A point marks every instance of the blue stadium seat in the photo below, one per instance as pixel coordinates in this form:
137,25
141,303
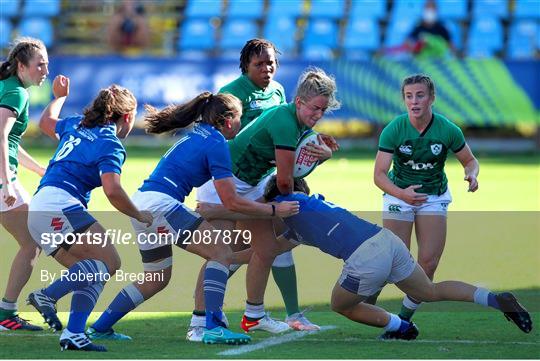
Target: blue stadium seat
196,34
246,9
41,8
275,29
317,52
9,8
203,8
485,37
5,32
523,38
236,32
323,32
452,9
40,28
492,8
287,8
332,9
455,33
368,8
408,8
527,9
362,34
398,30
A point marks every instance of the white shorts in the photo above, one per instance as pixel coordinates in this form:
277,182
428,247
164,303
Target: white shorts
207,192
173,224
379,260
395,208
22,197
53,215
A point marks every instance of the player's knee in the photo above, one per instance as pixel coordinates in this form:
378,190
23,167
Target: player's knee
30,252
113,264
429,265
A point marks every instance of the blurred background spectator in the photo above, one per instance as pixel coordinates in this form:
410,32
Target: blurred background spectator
128,29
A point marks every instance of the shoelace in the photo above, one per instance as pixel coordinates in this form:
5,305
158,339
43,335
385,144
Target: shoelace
20,320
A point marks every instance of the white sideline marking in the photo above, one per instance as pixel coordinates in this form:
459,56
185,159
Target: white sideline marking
272,341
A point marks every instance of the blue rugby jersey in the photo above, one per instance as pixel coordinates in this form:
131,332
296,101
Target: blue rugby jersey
321,224
83,154
201,155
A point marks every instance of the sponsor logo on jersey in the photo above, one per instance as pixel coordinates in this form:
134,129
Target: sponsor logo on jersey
405,149
419,165
436,149
255,104
394,208
57,224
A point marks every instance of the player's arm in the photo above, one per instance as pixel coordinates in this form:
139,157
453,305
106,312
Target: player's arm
120,200
51,114
7,120
470,165
380,177
232,201
30,163
285,166
210,211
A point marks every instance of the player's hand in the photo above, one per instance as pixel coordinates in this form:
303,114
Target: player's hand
473,183
319,151
146,218
203,209
41,171
60,86
287,209
410,196
329,141
8,194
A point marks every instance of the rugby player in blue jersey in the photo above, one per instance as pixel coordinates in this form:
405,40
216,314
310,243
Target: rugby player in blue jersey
89,155
373,257
200,155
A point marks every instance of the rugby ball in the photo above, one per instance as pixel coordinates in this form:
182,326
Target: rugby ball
304,163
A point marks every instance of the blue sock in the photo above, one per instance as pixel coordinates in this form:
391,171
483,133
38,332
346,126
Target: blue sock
492,301
82,303
215,281
404,325
128,299
486,298
81,275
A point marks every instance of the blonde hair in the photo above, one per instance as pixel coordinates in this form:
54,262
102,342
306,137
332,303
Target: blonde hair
314,82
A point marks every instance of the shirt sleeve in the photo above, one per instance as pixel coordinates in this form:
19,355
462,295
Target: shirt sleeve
219,160
387,139
15,100
60,127
456,138
112,159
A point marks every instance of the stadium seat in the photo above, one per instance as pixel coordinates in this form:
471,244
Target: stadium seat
527,9
5,32
203,8
41,8
452,9
330,9
196,34
454,28
398,30
288,8
9,8
408,8
368,9
321,32
490,8
487,30
246,9
317,52
362,34
236,32
523,38
40,28
275,29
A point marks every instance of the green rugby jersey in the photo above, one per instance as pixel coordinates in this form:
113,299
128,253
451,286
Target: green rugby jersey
253,149
254,99
14,97
419,158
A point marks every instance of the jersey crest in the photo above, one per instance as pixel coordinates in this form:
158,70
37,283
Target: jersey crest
436,149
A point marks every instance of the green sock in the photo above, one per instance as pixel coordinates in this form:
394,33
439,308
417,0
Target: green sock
6,313
406,313
285,278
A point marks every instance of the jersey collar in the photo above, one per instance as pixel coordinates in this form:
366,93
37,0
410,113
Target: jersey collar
429,125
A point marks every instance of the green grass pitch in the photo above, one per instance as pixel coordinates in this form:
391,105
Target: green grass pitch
493,241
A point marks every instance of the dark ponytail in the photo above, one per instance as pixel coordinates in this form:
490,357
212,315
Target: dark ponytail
109,106
205,108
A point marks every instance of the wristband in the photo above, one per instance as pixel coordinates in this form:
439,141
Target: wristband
273,210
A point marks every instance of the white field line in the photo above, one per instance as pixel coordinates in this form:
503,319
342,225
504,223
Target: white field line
272,341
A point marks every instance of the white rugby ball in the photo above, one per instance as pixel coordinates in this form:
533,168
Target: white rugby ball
304,163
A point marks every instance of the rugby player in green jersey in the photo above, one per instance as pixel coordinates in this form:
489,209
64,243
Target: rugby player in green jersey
416,189
26,65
